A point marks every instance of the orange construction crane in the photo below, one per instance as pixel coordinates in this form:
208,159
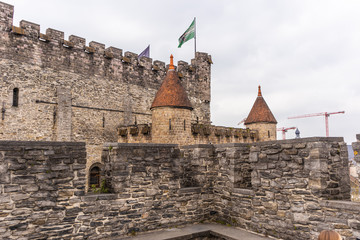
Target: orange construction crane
284,130
326,114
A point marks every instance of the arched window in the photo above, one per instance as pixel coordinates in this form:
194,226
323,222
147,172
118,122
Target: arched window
184,125
95,177
169,124
15,97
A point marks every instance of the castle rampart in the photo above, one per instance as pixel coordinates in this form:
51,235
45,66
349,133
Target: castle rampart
199,134
70,91
285,189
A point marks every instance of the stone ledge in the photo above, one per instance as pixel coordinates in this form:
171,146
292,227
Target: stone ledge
244,191
139,145
40,143
190,190
303,140
198,146
199,230
96,197
346,205
299,140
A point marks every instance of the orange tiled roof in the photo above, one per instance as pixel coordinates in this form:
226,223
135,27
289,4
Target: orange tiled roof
171,93
260,111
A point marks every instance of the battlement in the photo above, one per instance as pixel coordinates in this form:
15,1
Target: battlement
74,43
219,131
201,134
6,16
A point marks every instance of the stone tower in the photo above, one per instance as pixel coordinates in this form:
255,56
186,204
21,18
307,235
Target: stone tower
171,111
261,118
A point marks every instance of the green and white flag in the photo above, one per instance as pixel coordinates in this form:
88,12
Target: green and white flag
188,34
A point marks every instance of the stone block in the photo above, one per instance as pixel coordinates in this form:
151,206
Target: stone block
300,145
5,198
354,224
261,166
297,207
301,218
19,196
271,205
55,34
4,174
11,188
287,146
23,179
290,151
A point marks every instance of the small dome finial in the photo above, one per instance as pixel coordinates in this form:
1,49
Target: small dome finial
297,133
171,66
259,92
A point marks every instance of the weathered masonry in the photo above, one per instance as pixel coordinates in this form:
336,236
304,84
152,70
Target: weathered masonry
289,189
53,89
56,89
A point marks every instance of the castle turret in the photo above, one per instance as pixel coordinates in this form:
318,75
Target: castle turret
171,111
261,118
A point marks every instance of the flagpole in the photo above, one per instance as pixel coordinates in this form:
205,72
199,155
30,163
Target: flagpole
195,36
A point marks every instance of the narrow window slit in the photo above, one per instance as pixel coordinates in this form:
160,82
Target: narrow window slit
15,97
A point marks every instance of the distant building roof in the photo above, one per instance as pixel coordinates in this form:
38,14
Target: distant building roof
260,112
171,93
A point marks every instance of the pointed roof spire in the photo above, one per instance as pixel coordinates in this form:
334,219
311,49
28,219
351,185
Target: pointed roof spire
259,91
171,66
171,93
260,112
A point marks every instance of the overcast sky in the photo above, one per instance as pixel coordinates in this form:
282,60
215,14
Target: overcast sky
304,53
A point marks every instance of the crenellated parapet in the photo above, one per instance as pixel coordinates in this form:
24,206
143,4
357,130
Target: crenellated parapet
55,38
200,134
138,133
6,16
205,133
26,45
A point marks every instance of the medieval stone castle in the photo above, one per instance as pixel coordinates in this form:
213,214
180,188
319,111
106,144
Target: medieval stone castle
62,90
75,115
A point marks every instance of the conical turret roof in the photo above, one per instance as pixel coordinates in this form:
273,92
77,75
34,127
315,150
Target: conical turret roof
171,93
260,112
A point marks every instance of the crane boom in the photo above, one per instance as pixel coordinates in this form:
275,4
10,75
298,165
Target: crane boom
316,114
284,130
326,114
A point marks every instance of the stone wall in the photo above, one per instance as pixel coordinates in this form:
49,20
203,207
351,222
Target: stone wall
267,131
165,187
286,189
171,125
356,148
73,91
40,185
292,185
42,191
